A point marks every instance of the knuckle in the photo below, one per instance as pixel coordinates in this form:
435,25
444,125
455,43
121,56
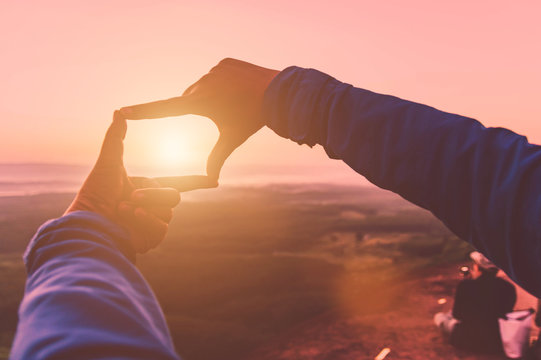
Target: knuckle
225,61
176,197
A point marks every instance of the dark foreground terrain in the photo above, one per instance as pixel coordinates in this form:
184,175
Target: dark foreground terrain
288,272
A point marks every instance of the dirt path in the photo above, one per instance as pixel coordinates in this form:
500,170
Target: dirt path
405,327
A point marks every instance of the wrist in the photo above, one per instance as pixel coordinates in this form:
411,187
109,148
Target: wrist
82,228
296,104
85,201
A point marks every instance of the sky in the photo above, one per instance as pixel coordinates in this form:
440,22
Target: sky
67,65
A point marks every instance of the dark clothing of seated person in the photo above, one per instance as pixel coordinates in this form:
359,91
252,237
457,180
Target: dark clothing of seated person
479,302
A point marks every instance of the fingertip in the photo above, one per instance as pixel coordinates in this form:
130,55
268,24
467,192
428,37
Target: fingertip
119,125
164,213
170,196
126,111
138,195
188,183
140,213
125,207
141,182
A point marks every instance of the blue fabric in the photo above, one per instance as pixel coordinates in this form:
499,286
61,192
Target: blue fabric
84,299
483,183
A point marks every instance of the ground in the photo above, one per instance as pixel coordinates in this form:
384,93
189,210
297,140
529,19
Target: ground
404,325
280,272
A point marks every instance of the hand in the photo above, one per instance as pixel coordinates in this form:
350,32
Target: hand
138,204
231,95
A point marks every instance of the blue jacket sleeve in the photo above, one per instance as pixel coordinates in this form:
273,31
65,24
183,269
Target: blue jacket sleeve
483,183
84,299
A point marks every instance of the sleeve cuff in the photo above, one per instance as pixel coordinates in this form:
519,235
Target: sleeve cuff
294,103
80,225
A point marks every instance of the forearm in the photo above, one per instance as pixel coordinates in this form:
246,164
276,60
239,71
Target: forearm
84,298
483,183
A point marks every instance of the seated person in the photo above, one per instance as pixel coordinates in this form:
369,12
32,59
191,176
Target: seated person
479,301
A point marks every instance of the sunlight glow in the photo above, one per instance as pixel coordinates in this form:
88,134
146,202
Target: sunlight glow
172,146
383,354
173,151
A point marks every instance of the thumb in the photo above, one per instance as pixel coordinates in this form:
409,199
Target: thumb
112,148
225,145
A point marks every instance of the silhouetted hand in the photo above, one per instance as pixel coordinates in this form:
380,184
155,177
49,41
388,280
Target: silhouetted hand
231,95
140,205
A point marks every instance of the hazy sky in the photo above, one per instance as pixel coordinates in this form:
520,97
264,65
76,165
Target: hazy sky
66,65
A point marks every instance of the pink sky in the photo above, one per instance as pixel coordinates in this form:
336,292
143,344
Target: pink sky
66,65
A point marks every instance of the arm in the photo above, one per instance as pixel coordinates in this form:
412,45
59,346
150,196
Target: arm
483,183
84,299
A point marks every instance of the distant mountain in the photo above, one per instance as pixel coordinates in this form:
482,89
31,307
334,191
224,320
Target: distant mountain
33,178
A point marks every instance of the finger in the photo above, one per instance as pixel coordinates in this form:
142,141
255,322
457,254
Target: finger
146,229
128,187
140,182
163,213
176,106
151,227
156,196
125,213
192,88
221,151
112,148
126,210
188,183
138,236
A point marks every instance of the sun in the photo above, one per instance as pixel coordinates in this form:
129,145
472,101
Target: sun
172,151
169,146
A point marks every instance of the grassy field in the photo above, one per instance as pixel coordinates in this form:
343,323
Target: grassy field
242,266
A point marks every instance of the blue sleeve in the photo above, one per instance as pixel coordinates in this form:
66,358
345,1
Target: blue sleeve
84,299
483,183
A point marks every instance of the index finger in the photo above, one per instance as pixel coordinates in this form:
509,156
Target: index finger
156,196
112,148
188,183
140,182
219,154
176,106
